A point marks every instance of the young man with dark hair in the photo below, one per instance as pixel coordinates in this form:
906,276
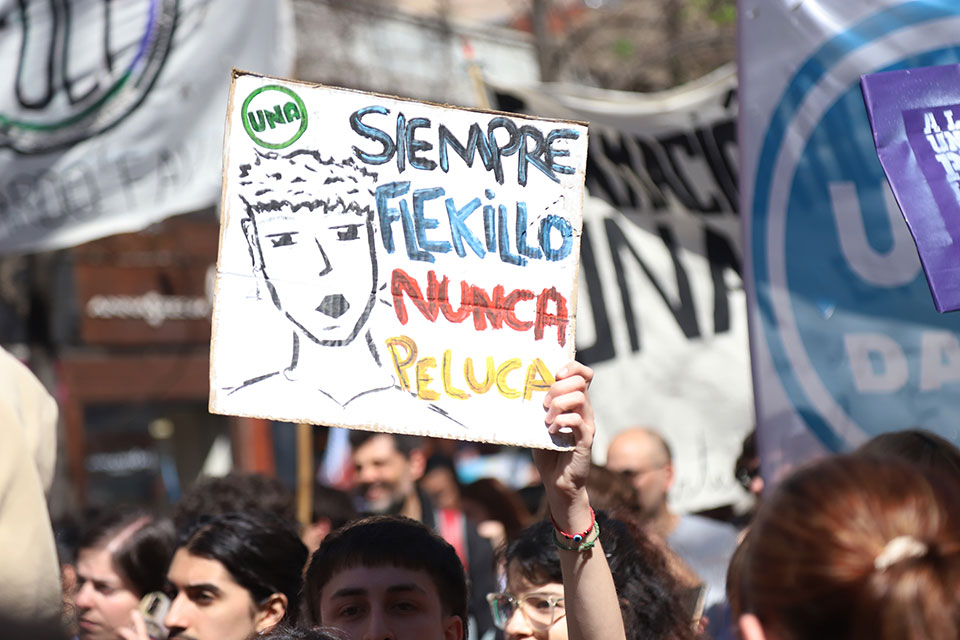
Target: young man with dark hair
387,468
387,576
391,578
234,575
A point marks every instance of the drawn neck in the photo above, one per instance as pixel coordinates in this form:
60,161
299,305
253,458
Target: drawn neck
341,372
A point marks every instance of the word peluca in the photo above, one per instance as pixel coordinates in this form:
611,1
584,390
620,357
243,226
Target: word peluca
404,355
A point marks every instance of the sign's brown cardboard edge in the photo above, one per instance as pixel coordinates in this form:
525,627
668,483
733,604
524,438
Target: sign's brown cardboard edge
224,214
575,291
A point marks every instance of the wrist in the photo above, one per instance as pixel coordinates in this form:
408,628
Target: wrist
571,512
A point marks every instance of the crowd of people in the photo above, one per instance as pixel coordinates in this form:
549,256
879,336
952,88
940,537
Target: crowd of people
861,545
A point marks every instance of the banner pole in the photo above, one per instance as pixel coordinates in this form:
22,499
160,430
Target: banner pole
305,474
476,76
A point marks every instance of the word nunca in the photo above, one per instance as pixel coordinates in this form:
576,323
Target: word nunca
497,310
403,354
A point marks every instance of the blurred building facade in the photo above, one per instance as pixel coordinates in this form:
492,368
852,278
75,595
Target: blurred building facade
119,328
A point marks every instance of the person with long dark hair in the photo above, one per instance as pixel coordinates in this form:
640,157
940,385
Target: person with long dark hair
122,555
234,575
533,605
579,575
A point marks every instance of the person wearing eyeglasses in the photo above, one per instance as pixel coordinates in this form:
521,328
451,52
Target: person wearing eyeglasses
704,544
389,577
579,575
533,605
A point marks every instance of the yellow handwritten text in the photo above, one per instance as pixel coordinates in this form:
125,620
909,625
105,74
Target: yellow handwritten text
506,376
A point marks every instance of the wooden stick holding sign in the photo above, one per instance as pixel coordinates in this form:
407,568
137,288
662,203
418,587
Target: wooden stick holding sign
393,265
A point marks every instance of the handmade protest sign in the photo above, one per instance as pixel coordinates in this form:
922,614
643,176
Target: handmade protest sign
912,115
394,265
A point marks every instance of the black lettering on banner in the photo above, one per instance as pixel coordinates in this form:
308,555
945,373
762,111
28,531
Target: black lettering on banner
683,312
642,175
725,137
613,175
636,173
660,170
721,257
722,172
686,143
169,171
602,350
81,194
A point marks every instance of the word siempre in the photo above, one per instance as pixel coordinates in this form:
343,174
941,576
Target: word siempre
404,355
406,147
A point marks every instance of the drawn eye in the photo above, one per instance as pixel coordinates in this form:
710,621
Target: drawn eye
282,239
350,232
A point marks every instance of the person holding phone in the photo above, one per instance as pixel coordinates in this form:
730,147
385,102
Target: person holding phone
122,555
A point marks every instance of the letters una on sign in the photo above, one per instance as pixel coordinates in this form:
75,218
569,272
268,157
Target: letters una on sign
393,265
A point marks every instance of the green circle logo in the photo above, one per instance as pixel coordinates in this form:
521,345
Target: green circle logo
274,117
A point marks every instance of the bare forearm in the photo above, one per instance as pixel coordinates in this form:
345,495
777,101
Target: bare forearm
590,597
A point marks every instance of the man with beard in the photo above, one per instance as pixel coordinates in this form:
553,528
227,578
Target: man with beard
386,470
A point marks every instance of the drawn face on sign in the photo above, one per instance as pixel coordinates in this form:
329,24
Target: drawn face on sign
316,252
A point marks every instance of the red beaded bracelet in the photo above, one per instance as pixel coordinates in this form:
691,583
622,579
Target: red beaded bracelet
576,538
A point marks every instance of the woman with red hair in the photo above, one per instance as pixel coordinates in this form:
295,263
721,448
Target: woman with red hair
852,547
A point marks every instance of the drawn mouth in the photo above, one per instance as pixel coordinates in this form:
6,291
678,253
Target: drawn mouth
334,305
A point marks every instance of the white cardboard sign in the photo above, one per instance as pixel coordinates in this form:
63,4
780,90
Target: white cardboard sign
393,265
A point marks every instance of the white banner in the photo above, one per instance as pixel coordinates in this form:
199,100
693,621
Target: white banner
111,114
662,311
846,341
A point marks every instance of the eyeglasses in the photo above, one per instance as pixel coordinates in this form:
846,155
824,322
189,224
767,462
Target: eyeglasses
630,474
746,475
540,609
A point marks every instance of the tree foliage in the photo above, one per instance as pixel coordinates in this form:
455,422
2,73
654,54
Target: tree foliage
634,45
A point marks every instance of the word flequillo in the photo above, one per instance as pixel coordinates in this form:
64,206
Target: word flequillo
406,147
496,230
403,354
497,310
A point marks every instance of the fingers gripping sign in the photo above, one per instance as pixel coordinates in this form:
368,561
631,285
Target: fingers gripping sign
568,410
592,606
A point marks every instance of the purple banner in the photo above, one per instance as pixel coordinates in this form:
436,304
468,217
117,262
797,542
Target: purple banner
912,113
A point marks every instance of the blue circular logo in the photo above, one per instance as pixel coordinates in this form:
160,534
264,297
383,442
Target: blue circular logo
845,308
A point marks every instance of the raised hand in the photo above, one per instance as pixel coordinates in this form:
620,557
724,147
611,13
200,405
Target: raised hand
564,473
